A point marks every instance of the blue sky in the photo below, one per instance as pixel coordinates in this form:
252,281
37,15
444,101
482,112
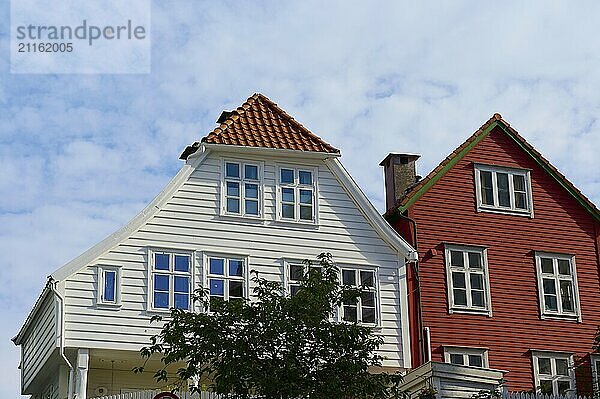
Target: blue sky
82,154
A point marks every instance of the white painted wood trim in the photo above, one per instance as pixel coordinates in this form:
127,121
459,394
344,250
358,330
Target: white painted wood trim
404,313
452,308
100,303
478,167
92,254
538,267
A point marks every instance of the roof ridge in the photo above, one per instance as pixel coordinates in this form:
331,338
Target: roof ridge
496,119
260,122
294,121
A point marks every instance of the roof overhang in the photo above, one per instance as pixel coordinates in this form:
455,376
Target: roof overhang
17,339
495,122
240,149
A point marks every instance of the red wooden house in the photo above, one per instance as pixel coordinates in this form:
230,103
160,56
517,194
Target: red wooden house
508,275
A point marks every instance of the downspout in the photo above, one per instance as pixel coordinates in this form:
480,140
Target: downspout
62,337
415,264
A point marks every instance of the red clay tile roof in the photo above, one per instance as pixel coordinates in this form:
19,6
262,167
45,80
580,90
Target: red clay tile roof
259,122
423,185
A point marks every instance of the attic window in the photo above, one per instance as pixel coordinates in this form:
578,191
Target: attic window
296,195
241,187
503,190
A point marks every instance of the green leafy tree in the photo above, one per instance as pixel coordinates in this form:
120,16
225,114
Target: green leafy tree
276,346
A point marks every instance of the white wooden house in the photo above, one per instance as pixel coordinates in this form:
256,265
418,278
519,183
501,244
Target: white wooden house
260,192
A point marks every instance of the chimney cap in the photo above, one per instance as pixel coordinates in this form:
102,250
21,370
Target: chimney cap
397,155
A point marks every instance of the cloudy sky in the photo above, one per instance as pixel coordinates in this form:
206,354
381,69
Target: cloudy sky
81,154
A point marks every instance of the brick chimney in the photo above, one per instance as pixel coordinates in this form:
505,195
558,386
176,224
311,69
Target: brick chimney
400,173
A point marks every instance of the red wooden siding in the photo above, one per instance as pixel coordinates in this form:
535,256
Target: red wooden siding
447,213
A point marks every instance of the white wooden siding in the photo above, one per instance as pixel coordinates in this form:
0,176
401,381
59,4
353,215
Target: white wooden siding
40,340
191,220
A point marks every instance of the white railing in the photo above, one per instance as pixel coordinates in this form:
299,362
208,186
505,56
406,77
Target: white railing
152,394
529,395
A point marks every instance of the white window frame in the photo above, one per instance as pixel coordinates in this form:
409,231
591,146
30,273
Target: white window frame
376,289
100,301
496,208
206,276
296,186
560,314
536,354
465,351
241,180
595,360
288,263
171,272
469,308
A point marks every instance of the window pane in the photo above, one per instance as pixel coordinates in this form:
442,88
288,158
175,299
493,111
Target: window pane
232,169
458,280
474,260
547,265
562,367
182,263
233,205
305,177
161,282
551,302
217,266
182,301
348,277
236,267
182,284
477,298
233,189
251,172
476,360
563,387
350,313
368,315
306,197
296,272
566,295
251,207
477,281
367,278
546,387
306,212
251,190
460,297
549,287
503,193
487,191
564,267
456,358
161,261
368,299
544,365
236,289
110,278
287,176
456,259
161,300
287,194
294,289
519,182
287,211
217,287
520,201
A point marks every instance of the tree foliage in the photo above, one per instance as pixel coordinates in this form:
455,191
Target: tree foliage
276,345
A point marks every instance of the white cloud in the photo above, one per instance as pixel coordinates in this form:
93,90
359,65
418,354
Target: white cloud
82,154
